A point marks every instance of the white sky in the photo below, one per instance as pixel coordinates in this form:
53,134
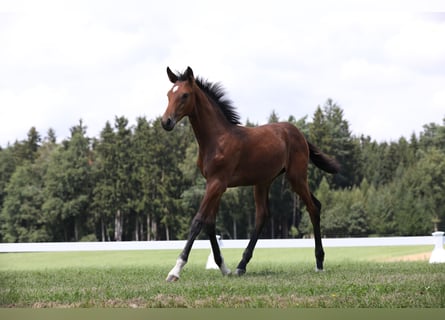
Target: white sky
61,61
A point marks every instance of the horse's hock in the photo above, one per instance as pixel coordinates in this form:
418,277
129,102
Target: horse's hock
438,254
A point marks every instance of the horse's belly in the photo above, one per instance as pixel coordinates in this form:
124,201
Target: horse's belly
255,172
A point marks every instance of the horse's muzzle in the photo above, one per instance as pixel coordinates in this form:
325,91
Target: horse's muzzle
168,124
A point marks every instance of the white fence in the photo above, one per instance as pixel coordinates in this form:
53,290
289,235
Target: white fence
205,244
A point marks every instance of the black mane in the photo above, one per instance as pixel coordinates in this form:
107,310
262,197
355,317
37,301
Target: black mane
217,94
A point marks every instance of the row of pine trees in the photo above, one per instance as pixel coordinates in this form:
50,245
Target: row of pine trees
139,182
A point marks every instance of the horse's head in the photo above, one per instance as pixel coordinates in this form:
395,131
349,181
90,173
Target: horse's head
180,98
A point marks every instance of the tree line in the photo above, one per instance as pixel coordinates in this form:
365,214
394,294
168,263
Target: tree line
140,182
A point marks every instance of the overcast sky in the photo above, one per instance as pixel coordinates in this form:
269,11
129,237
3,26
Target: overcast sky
63,61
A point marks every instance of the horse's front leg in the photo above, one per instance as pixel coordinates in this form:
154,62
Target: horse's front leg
217,256
206,216
195,229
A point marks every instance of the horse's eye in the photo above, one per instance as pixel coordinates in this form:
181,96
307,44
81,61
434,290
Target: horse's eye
185,96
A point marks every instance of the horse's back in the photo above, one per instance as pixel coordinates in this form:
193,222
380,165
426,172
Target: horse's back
265,151
282,133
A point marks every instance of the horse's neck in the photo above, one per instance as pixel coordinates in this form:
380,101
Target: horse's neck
208,123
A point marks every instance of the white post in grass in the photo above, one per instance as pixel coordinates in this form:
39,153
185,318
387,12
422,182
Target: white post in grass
211,264
438,254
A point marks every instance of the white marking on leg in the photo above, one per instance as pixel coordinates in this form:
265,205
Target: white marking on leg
318,270
224,270
173,275
240,272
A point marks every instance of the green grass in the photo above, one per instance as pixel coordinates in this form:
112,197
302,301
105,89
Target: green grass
354,277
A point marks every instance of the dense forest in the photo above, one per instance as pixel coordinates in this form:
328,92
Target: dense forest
140,182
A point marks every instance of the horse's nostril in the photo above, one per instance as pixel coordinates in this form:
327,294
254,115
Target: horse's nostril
168,124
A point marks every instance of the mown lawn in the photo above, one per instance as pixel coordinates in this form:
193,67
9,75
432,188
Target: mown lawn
354,277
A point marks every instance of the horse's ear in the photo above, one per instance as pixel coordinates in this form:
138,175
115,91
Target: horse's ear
171,76
189,75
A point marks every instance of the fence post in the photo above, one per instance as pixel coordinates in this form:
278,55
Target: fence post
438,254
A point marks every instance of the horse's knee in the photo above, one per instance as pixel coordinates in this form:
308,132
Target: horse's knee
196,226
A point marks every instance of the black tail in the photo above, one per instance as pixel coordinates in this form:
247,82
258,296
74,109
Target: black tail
322,161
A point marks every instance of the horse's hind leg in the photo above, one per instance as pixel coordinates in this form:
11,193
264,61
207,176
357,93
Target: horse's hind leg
313,206
315,219
261,193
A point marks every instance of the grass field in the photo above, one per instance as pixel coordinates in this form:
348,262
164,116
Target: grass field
354,277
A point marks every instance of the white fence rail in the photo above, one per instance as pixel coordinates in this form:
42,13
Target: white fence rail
205,244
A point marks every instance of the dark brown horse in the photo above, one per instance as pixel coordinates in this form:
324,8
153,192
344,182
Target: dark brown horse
232,155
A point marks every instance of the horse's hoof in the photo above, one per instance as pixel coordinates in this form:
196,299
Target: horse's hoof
240,272
319,266
172,278
227,272
224,270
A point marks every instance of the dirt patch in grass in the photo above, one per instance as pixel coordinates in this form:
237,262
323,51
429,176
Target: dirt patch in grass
424,256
